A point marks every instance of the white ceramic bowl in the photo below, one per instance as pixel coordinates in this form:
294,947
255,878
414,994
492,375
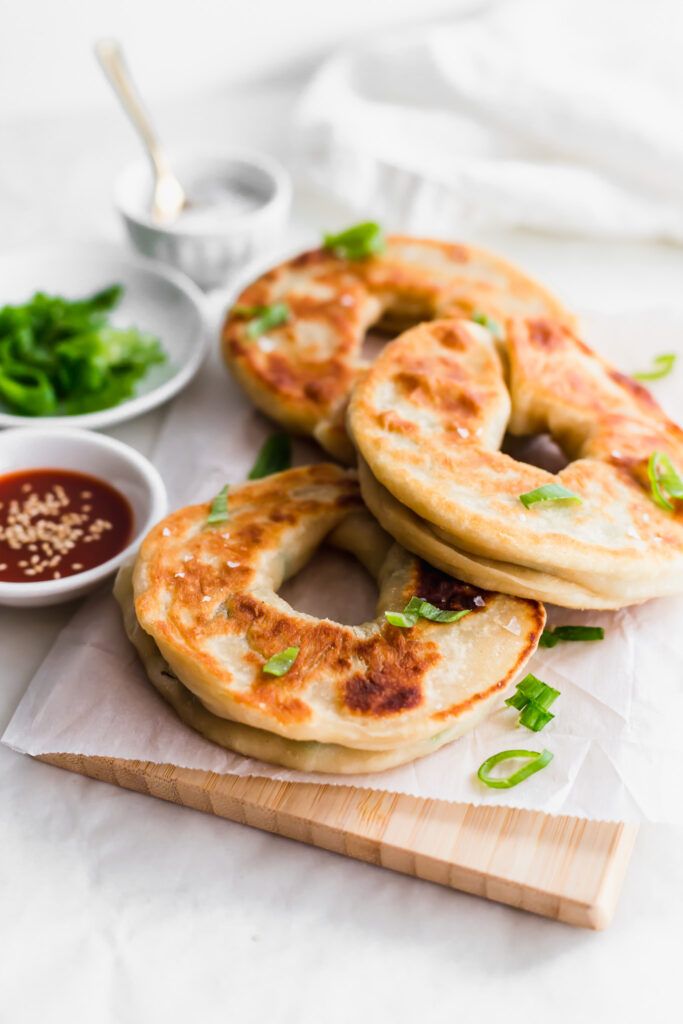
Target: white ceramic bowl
100,456
209,251
156,299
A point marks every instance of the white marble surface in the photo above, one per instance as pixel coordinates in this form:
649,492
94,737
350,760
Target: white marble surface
118,908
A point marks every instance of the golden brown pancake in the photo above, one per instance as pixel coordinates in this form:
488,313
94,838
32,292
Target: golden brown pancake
429,417
301,373
301,755
207,596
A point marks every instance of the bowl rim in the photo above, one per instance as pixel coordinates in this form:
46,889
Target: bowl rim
281,197
157,507
138,404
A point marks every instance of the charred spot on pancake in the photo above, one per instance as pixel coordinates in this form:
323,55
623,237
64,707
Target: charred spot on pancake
460,253
447,593
452,336
391,680
391,421
633,387
310,258
378,694
546,334
321,389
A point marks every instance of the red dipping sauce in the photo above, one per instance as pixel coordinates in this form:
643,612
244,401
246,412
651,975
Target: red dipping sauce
56,523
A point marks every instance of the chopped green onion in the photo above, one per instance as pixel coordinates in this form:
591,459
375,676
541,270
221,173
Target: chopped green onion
534,689
263,318
281,662
274,456
536,761
356,243
535,718
418,608
218,512
664,480
488,322
425,610
550,492
663,365
549,638
401,619
533,698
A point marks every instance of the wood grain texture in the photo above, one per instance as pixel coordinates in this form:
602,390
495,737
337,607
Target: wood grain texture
569,869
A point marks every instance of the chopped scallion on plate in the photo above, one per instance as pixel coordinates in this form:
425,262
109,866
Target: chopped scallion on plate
64,357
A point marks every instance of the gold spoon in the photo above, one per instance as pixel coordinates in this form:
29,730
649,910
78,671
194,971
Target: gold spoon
168,198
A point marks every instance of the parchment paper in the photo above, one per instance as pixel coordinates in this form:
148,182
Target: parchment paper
616,736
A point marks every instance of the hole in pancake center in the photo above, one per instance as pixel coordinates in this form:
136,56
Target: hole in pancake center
536,450
333,586
403,313
373,343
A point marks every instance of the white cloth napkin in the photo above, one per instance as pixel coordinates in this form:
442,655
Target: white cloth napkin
556,115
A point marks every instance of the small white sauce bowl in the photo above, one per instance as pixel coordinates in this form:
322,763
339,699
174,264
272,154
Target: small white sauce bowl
97,455
208,252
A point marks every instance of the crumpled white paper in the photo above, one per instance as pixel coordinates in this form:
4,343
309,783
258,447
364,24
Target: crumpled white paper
617,732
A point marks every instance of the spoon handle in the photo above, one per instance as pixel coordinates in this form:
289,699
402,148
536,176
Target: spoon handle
112,61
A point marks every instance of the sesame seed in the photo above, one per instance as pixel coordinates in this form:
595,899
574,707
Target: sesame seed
46,529
180,575
232,565
166,532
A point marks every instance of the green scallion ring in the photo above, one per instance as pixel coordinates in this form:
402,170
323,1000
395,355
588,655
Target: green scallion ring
536,762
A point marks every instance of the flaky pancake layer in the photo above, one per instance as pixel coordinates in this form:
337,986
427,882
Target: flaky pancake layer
301,373
208,598
301,755
429,416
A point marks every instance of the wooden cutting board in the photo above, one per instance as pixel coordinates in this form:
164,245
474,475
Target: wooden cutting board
566,868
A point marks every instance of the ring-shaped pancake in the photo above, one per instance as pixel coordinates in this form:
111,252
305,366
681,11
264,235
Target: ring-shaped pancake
429,417
300,755
419,536
207,596
301,373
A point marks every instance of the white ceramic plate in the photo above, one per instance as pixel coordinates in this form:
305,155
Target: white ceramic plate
156,299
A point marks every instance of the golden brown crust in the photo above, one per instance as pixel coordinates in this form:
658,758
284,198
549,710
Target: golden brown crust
429,418
208,597
302,372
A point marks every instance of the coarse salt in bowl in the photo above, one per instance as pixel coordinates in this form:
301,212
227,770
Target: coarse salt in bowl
238,204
